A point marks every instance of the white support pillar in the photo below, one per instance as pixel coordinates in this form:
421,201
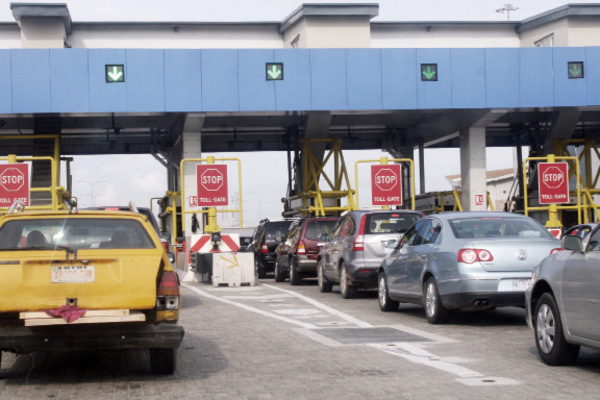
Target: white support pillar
192,148
472,169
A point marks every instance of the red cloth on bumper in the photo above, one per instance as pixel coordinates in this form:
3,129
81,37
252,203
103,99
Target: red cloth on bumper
69,313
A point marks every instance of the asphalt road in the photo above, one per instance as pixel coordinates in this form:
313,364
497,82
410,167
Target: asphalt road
276,341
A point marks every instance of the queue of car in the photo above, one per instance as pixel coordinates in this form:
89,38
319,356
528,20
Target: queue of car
457,262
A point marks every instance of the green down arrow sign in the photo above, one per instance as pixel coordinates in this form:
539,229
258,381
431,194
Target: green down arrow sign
429,72
576,70
114,73
274,71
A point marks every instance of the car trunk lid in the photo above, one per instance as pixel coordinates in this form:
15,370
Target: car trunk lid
514,255
125,279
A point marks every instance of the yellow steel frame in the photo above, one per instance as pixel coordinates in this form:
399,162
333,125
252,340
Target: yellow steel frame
58,194
171,209
313,171
457,202
589,183
384,161
553,209
210,211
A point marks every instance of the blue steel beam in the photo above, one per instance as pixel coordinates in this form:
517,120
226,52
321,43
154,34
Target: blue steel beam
205,80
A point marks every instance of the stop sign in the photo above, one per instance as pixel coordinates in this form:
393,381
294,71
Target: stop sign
14,184
553,183
386,185
212,185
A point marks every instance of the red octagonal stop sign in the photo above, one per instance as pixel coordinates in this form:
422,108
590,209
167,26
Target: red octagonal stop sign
553,182
386,185
14,184
212,185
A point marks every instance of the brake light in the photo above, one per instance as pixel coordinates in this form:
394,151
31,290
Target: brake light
168,285
554,251
167,295
165,244
264,248
301,248
469,256
359,240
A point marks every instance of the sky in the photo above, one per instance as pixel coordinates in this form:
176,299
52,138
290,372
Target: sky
116,180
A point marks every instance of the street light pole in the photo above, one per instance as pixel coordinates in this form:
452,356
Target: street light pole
92,188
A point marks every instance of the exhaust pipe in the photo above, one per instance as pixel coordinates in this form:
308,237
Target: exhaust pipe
481,302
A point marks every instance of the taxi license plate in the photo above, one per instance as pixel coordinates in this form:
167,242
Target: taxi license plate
514,285
73,273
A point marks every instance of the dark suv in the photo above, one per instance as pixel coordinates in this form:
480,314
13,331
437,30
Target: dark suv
265,240
296,256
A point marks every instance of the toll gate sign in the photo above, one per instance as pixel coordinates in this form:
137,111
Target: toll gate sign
212,185
553,182
386,185
14,184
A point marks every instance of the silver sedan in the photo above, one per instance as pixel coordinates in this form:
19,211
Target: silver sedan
563,302
464,261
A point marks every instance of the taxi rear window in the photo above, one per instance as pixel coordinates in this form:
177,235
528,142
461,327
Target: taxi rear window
74,233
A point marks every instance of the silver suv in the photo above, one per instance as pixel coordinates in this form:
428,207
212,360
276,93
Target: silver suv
359,241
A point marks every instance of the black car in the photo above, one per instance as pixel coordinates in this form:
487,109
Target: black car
265,240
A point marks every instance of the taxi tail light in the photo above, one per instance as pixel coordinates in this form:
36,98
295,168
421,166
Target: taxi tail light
301,248
359,240
554,251
469,256
167,295
165,244
264,248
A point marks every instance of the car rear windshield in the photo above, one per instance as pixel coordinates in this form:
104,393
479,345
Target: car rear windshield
390,222
277,229
466,228
317,229
74,233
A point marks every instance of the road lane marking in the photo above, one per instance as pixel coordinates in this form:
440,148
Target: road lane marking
323,307
249,308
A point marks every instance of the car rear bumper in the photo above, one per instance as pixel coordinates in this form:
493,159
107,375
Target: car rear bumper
482,300
90,337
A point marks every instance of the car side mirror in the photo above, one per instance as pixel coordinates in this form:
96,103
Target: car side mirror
171,256
571,242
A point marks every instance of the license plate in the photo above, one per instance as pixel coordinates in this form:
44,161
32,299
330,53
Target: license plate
514,285
73,273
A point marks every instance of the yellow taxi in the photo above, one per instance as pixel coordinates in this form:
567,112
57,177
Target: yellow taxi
82,280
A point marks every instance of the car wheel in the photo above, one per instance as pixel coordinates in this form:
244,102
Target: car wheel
346,290
278,273
324,285
260,271
295,277
163,361
549,336
385,303
434,310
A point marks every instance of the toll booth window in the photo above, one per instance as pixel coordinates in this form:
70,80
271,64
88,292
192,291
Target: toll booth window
74,233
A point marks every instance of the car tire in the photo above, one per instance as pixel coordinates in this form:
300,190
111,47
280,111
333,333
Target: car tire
295,277
260,271
163,361
549,335
385,302
346,290
278,274
435,312
324,285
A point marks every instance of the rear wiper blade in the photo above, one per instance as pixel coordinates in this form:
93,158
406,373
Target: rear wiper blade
51,247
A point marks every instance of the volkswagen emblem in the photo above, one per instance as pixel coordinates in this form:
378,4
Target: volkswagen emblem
521,255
